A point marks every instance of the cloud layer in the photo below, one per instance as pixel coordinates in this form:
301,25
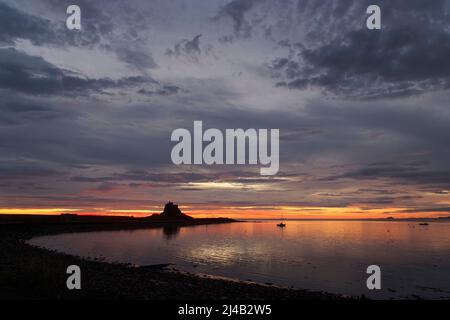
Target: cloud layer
86,116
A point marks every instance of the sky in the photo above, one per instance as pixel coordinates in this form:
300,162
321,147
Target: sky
364,115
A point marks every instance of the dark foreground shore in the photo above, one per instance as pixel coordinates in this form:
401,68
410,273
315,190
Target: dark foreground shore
28,272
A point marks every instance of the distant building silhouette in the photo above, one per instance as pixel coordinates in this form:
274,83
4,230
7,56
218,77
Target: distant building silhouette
172,212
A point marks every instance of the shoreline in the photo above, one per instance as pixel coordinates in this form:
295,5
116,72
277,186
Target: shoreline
31,272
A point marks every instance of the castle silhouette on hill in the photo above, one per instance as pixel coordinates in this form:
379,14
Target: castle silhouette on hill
171,213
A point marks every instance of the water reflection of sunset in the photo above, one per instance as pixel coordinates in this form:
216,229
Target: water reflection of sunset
322,255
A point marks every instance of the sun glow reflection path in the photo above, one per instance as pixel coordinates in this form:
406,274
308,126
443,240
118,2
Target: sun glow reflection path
317,255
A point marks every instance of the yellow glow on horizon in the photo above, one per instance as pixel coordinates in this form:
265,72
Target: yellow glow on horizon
244,212
36,211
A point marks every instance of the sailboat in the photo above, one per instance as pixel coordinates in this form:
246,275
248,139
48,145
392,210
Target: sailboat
281,224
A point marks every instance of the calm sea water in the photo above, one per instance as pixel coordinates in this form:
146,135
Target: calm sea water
317,255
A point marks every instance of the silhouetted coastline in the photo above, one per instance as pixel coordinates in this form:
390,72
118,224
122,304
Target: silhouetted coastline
28,272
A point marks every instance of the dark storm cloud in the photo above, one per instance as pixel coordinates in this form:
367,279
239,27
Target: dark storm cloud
236,10
33,75
331,49
372,65
408,56
16,24
189,49
114,26
98,24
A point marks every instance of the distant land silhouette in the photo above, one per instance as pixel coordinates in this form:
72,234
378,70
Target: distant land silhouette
171,216
171,213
